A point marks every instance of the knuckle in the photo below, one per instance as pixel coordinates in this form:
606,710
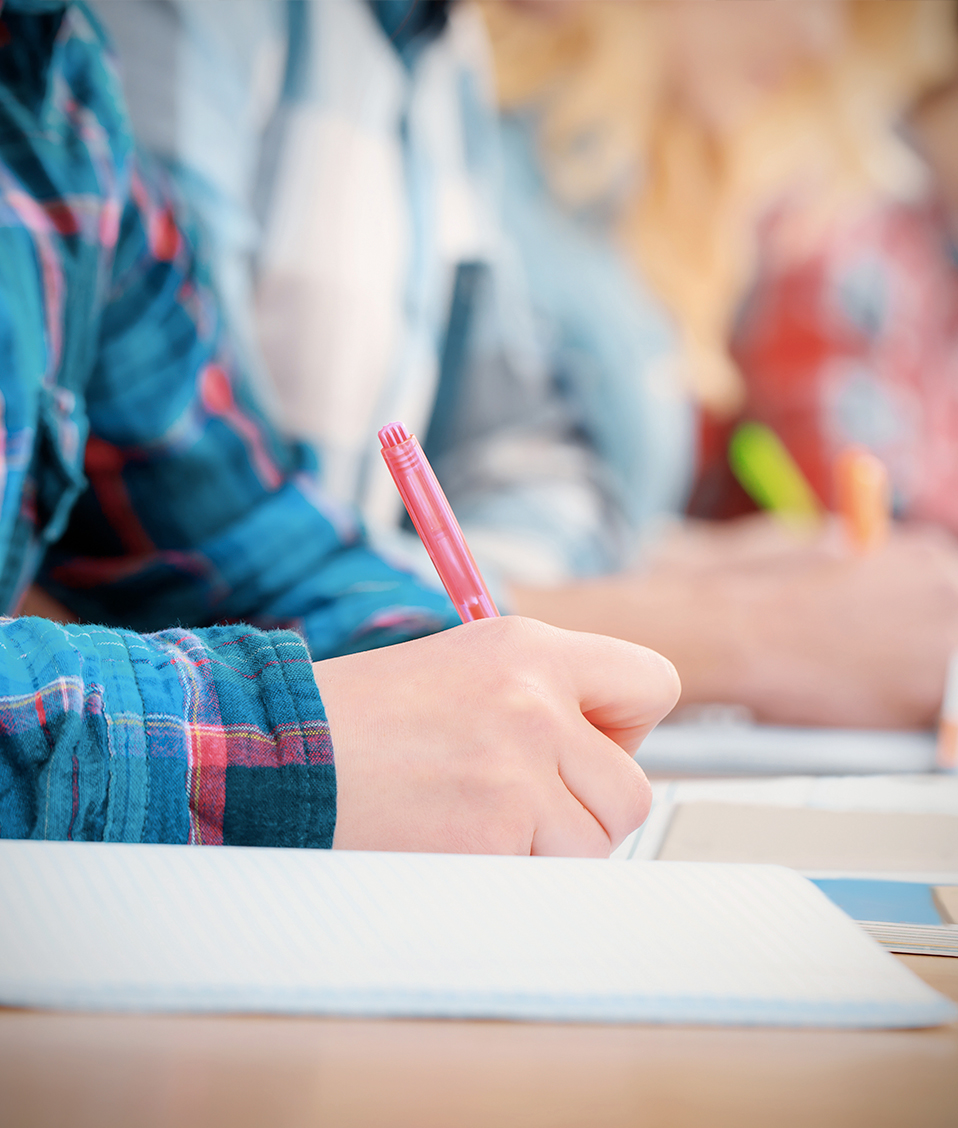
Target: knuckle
536,733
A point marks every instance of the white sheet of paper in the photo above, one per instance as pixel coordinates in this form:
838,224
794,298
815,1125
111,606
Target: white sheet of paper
812,840
225,929
935,794
741,748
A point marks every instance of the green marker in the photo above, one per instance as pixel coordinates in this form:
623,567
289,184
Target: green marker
769,475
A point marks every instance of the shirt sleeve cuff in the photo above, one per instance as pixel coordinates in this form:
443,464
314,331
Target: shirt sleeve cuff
277,786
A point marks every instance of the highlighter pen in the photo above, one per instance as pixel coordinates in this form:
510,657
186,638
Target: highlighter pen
436,524
764,467
863,497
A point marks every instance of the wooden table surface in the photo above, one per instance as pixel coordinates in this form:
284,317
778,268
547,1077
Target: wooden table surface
107,1071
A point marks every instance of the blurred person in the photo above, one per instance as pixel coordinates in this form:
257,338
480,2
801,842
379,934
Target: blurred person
850,335
344,161
934,121
141,483
692,121
779,211
729,150
345,158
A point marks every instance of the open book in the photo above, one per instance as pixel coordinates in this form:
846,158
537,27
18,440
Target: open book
226,929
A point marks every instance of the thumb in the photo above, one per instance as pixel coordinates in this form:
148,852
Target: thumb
624,690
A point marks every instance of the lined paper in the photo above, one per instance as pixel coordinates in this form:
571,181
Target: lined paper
169,928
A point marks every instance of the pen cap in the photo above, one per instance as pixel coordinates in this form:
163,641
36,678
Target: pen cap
863,497
436,523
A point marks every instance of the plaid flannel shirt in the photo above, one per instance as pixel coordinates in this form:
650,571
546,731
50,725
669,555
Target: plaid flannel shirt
143,487
344,159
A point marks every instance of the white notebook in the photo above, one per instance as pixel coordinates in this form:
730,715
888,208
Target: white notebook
192,929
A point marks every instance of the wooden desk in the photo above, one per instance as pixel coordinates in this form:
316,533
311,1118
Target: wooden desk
88,1071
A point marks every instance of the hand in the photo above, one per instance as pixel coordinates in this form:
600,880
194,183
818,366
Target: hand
35,601
501,736
759,538
858,640
816,635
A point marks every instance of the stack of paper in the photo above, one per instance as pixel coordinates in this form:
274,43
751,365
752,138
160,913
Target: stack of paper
845,833
904,916
219,929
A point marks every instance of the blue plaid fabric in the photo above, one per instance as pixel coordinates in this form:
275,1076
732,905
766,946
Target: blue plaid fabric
144,489
343,159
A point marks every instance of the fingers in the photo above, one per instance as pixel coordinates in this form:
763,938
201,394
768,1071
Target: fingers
566,829
608,783
623,690
492,738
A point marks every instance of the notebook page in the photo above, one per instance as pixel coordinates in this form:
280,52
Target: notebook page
220,929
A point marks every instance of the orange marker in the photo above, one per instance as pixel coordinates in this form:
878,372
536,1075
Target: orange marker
863,495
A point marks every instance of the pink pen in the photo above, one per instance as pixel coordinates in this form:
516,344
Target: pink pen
436,524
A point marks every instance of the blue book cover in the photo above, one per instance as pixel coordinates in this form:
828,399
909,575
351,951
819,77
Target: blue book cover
904,916
894,902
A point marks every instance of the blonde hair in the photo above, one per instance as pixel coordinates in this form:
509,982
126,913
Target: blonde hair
688,203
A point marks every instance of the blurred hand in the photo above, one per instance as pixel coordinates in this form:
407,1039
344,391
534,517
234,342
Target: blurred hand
694,545
35,601
815,635
500,736
857,640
